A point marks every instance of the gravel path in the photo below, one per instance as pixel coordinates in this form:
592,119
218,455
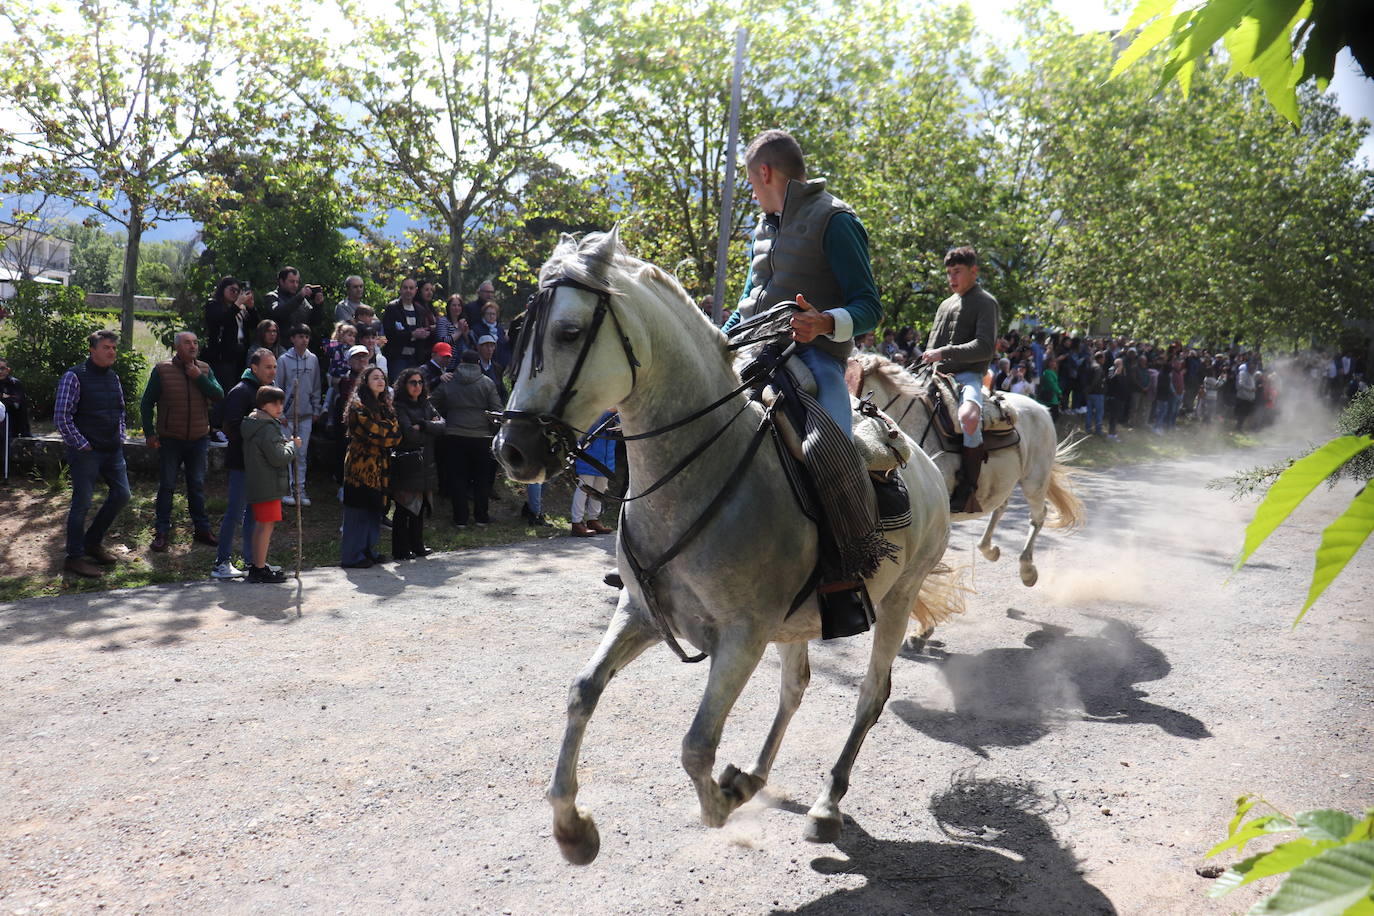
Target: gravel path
380,742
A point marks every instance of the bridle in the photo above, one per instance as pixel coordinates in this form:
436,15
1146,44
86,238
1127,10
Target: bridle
558,433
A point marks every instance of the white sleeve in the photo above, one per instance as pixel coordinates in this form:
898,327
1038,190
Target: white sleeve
844,325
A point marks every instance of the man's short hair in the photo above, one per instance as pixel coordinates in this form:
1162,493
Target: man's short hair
176,341
286,272
779,149
97,336
268,394
964,254
300,329
258,354
353,279
468,356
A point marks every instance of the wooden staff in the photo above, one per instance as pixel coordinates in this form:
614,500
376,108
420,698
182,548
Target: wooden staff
296,431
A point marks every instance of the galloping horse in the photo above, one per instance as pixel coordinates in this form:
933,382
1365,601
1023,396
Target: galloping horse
1037,462
712,545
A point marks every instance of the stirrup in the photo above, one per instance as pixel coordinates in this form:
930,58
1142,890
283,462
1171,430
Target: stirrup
845,609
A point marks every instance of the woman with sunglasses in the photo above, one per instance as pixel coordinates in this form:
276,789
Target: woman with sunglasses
373,431
414,474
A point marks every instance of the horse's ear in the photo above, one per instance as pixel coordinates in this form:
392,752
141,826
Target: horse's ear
601,255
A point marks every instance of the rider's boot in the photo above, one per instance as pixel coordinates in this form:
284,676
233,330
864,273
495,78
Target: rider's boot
963,498
845,609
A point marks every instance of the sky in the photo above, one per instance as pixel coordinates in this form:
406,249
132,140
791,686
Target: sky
1354,93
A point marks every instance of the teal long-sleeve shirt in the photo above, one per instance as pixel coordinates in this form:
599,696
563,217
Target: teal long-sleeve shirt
846,249
147,405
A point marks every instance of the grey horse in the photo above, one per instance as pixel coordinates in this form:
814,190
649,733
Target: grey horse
654,355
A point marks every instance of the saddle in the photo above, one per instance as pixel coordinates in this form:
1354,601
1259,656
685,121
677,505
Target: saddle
940,395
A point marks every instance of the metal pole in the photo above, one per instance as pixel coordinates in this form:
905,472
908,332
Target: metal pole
727,204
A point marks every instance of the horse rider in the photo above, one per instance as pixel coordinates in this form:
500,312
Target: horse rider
809,248
963,340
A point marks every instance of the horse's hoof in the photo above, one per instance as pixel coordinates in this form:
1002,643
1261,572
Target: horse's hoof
580,842
738,785
917,642
1029,576
993,553
823,829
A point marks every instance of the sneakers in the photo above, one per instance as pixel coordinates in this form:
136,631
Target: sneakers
82,567
265,574
288,501
226,570
218,439
159,544
305,500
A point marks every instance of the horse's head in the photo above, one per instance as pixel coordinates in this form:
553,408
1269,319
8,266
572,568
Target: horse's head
573,359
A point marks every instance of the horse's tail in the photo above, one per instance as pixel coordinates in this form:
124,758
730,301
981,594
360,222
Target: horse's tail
1068,508
941,596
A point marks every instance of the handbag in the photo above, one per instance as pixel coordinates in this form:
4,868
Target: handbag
408,462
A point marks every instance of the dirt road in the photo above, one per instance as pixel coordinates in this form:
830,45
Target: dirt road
380,743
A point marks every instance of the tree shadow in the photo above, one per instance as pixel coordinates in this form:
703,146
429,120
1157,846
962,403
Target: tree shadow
1002,857
1010,697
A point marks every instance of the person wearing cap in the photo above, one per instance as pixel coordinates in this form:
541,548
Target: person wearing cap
439,368
299,375
357,361
367,339
486,361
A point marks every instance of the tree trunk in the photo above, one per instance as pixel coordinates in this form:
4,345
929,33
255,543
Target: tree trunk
128,286
455,259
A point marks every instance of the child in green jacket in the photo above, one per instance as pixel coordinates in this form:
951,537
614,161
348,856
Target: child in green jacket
268,451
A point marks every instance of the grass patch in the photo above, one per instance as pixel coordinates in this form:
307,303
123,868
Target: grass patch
1135,446
32,535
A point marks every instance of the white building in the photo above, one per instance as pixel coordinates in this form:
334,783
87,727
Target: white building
29,253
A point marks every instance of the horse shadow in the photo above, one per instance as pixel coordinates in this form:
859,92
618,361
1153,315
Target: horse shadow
1002,857
1011,697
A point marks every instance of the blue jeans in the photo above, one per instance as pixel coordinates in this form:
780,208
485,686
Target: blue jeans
972,390
534,495
87,467
172,455
362,528
1175,405
238,511
1092,422
831,390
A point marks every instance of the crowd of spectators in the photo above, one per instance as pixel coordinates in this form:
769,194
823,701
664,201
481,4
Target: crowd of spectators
400,407
1116,382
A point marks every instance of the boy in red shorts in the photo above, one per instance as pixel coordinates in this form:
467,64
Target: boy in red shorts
268,450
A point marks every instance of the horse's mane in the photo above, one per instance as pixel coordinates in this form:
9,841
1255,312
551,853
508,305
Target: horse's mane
898,376
598,259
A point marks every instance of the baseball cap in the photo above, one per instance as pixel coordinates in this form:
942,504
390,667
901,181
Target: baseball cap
442,349
357,350
485,339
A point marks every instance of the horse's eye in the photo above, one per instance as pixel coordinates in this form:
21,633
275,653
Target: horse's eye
569,333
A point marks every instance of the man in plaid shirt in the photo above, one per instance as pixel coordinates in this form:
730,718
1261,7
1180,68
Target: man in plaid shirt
90,417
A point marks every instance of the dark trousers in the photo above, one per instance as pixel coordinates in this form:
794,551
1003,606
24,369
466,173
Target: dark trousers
87,467
472,470
407,531
173,455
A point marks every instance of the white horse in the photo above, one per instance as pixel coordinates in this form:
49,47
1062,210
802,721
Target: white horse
1037,462
728,591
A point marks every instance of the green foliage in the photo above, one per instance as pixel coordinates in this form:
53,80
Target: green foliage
1330,865
1342,538
54,323
97,256
1358,420
1279,43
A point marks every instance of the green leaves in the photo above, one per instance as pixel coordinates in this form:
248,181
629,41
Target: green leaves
1330,867
1340,541
1280,43
1294,484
